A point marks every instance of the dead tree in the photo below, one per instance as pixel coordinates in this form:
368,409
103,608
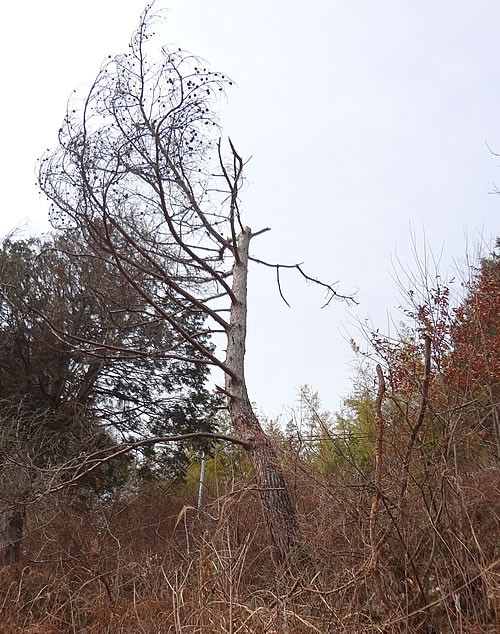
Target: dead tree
141,175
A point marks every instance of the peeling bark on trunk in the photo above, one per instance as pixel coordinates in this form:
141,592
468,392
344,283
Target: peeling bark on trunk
278,508
12,534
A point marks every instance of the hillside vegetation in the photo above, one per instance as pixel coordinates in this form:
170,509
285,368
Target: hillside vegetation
397,494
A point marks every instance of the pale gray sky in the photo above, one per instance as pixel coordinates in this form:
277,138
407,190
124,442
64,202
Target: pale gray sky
365,120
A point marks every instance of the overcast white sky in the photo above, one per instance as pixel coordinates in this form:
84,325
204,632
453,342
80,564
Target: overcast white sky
365,120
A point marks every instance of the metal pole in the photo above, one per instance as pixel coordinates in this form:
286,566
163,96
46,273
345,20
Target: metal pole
202,479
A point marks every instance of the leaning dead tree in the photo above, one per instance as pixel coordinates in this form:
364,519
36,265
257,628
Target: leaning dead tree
141,175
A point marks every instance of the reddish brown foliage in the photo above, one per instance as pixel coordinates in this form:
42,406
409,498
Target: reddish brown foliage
474,363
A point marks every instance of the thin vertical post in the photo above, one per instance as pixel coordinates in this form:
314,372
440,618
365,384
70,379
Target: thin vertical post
202,480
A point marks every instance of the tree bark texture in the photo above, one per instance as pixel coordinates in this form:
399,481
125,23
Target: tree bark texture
12,534
278,509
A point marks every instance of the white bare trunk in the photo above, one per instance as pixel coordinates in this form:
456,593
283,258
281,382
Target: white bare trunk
278,508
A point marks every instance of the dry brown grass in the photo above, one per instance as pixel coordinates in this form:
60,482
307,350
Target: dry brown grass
150,562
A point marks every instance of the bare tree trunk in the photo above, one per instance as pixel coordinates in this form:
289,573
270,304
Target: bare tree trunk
12,533
278,508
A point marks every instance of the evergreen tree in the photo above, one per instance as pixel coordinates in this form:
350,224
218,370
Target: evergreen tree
60,402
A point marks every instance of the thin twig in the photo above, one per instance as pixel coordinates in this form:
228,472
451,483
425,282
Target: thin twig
298,267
